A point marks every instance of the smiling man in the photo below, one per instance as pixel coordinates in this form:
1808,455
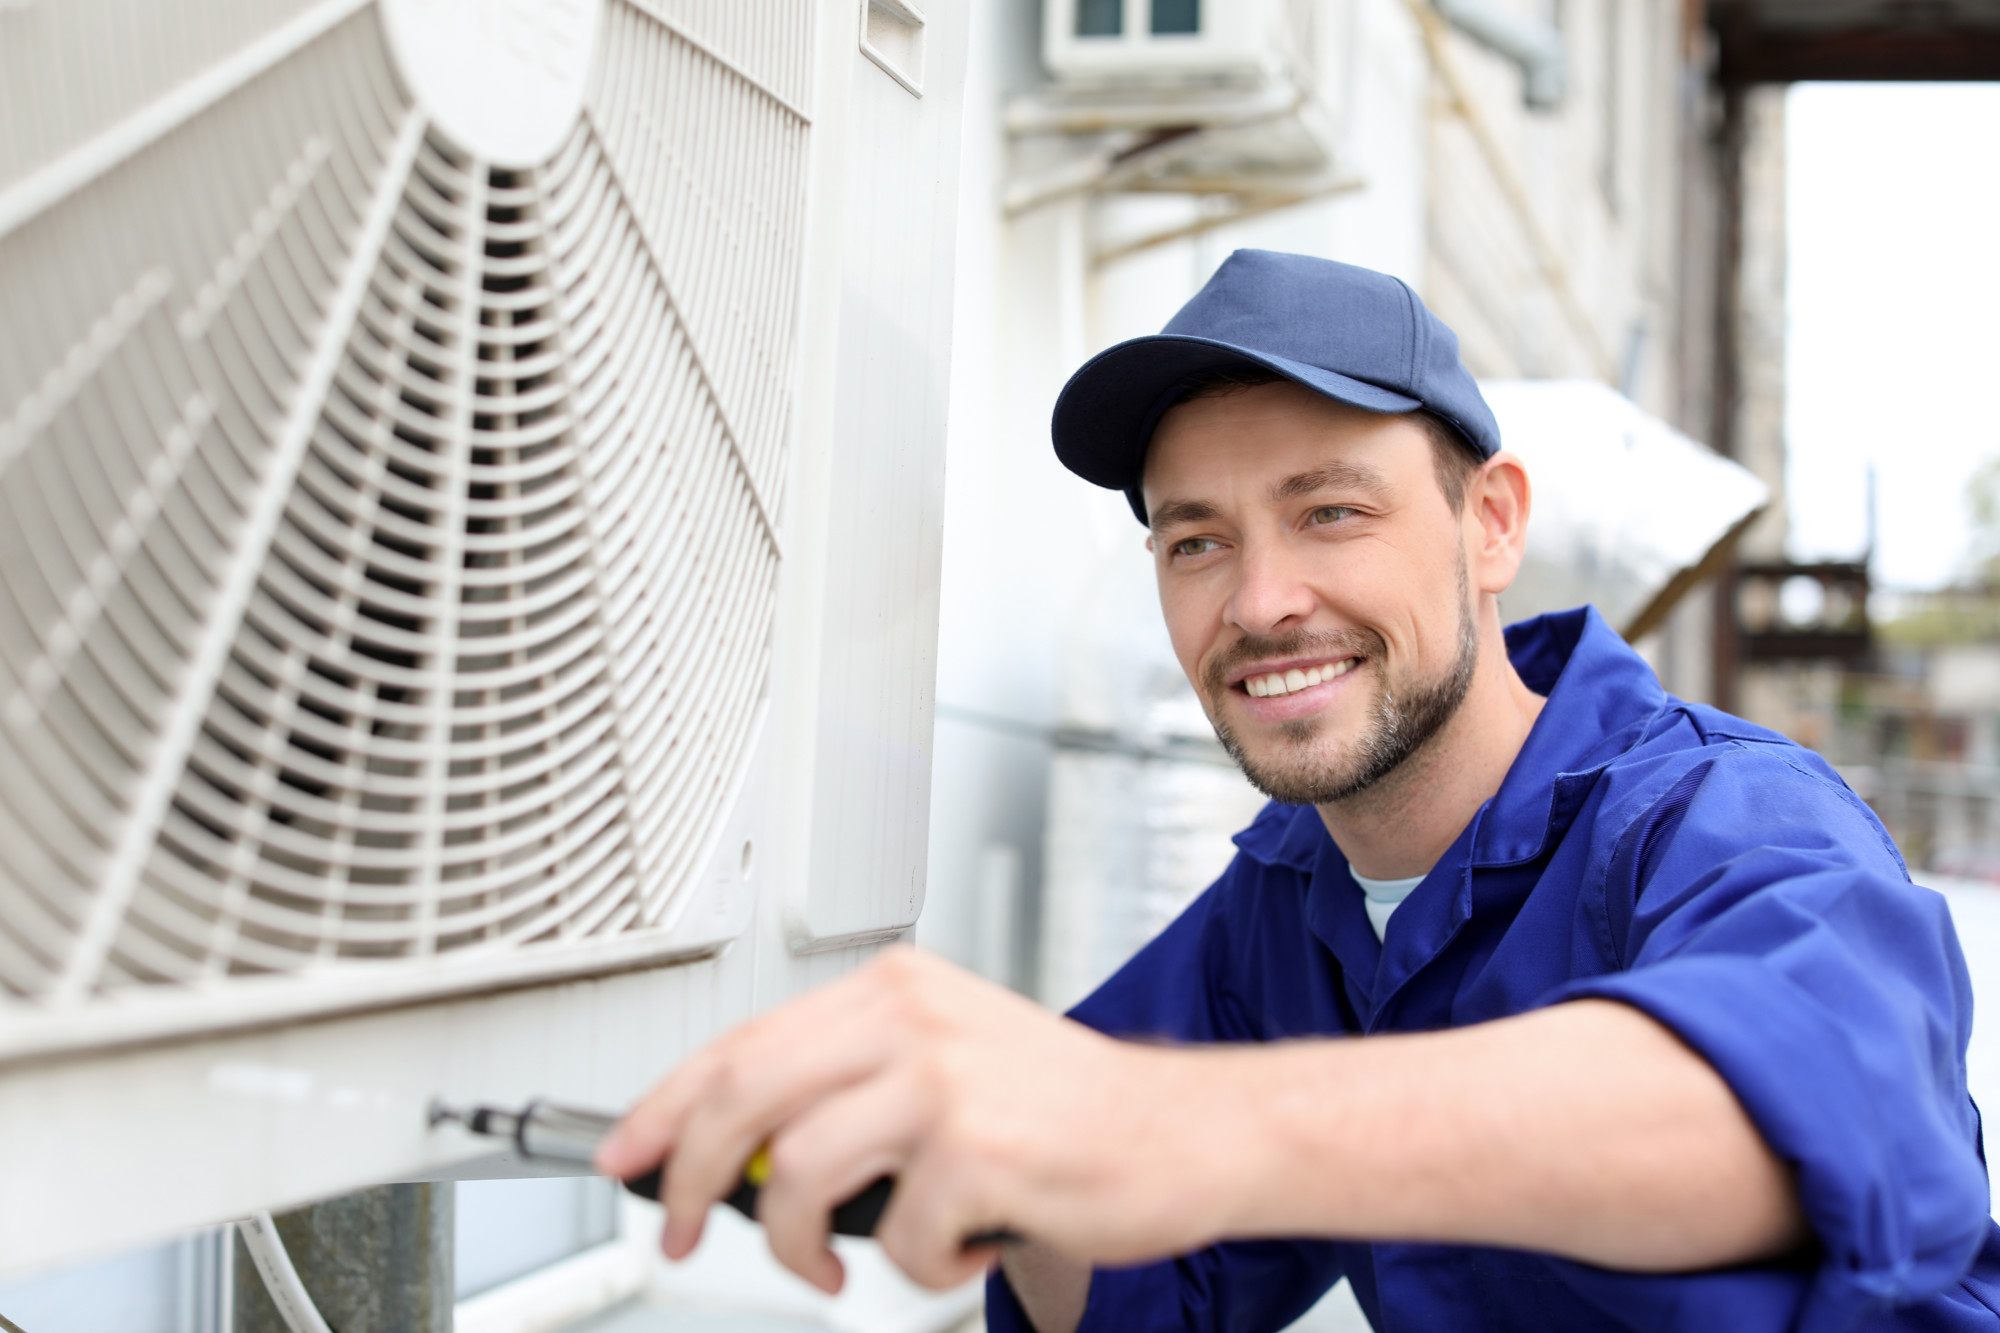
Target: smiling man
1536,999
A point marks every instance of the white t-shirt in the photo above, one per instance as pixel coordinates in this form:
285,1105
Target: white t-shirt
1384,896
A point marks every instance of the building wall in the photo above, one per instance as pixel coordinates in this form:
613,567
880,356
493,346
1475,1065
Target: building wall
1551,238
1760,411
1795,698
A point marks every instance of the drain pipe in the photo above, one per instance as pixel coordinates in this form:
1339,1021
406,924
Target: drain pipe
1536,47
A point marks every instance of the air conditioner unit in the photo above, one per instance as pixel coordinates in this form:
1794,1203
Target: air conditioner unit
1195,97
1242,44
472,480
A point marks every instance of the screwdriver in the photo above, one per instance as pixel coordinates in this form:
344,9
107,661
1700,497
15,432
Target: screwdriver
544,1131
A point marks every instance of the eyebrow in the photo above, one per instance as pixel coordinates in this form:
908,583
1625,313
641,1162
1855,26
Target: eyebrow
1176,512
1327,476
1331,476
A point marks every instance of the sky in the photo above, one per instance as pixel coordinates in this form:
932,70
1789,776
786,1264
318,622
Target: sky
1893,353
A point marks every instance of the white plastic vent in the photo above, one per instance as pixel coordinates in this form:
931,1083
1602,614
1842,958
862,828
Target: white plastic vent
391,482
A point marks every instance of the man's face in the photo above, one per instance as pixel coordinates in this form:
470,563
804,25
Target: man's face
1313,577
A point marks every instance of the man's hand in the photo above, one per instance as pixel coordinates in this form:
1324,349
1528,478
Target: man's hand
990,1111
1586,1130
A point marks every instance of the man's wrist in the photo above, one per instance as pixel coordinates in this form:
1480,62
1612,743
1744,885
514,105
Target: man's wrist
1237,1181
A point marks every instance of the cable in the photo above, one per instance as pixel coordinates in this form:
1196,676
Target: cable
267,1251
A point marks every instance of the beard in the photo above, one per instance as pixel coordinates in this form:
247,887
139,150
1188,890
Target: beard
1403,719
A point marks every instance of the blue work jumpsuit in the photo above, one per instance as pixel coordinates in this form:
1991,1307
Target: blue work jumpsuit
1643,849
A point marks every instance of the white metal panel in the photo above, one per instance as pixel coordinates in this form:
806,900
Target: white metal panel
110,1151
883,445
1626,507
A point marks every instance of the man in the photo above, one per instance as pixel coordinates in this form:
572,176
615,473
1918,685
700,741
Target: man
1655,1033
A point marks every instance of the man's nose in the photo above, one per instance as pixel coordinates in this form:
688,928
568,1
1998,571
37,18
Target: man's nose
1271,592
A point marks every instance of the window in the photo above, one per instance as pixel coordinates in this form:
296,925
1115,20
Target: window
1100,18
1176,16
173,1288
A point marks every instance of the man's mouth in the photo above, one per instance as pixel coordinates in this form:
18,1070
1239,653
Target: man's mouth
1290,680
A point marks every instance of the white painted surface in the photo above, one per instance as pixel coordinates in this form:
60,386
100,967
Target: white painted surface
732,1270
874,423
504,80
558,1295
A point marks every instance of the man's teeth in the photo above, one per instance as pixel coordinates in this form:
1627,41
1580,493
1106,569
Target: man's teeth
1288,682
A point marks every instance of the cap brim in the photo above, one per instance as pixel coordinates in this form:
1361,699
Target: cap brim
1105,416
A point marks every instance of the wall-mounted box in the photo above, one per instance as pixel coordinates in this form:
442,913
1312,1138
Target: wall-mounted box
1167,43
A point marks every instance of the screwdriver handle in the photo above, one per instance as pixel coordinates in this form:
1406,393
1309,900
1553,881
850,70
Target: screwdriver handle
544,1131
856,1217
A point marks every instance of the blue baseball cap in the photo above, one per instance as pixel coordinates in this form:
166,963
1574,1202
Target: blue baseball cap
1357,336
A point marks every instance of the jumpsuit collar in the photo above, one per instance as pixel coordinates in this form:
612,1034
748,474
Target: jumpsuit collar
1602,700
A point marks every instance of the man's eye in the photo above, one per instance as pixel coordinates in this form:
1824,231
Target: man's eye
1331,513
1195,546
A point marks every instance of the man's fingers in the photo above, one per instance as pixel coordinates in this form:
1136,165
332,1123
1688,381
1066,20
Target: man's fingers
935,1210
762,1070
646,1133
743,1110
818,1074
885,1126
829,1154
756,1081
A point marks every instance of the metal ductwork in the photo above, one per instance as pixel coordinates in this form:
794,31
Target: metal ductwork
1536,47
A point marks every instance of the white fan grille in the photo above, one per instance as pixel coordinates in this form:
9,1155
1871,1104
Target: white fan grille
391,549
73,69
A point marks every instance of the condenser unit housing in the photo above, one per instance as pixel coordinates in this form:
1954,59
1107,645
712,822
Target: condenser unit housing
1166,43
432,441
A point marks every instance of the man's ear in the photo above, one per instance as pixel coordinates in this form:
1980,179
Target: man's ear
1496,511
1149,543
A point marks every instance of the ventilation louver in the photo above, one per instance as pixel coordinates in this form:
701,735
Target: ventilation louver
391,475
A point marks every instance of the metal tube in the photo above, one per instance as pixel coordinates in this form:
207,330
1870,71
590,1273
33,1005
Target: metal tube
1536,47
378,1260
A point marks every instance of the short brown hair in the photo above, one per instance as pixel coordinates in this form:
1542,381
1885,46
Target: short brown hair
1452,455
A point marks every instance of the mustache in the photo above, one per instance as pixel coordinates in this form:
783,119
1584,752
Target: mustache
1299,643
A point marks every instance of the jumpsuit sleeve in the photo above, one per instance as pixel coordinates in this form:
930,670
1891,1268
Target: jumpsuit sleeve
1761,913
1178,988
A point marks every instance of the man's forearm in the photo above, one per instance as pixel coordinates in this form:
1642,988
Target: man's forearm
1585,1130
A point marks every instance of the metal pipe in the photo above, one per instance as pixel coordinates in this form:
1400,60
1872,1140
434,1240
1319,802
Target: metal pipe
281,1280
1536,47
380,1259
1247,205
